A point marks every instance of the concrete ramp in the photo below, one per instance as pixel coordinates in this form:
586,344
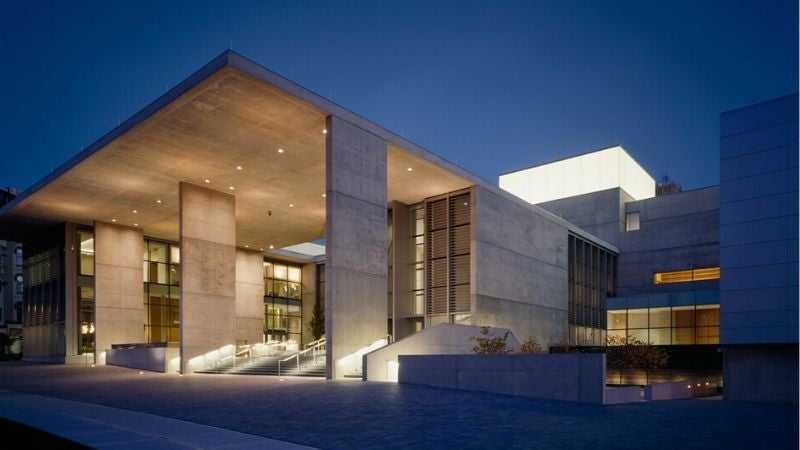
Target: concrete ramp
442,339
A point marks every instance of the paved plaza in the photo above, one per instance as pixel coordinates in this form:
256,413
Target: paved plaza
352,414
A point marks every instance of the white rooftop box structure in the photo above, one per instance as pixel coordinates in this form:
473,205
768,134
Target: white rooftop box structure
590,172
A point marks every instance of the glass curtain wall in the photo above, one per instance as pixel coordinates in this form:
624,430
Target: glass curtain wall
86,305
676,325
161,272
283,295
43,295
592,278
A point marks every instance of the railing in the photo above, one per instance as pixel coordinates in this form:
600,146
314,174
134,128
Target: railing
247,353
315,349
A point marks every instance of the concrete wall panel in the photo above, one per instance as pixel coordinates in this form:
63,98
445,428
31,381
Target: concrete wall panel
356,267
519,271
208,275
119,303
249,324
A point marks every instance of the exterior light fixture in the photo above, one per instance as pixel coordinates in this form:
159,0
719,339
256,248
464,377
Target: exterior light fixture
291,205
136,224
280,150
239,167
410,169
114,220
271,246
261,249
158,201
135,211
207,181
246,246
231,188
324,131
324,195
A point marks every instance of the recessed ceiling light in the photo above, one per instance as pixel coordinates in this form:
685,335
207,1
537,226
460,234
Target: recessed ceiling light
239,167
113,220
324,195
324,131
291,205
135,211
158,201
246,246
410,169
271,246
207,181
231,188
280,150
136,224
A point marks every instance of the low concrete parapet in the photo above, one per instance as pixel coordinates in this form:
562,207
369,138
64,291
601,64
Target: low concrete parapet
615,395
669,391
152,357
577,377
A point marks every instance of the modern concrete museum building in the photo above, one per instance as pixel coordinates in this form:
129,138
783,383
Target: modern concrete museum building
224,212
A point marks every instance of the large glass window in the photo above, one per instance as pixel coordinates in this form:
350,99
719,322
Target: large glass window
632,221
161,291
686,276
283,295
677,325
85,280
592,278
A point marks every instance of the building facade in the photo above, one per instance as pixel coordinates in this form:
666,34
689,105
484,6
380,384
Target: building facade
758,250
11,279
219,217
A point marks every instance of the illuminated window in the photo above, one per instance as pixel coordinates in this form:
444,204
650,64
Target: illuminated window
686,276
632,221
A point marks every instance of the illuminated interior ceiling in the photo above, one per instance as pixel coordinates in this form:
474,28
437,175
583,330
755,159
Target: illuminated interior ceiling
230,132
591,172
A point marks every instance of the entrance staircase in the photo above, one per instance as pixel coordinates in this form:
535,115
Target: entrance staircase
310,362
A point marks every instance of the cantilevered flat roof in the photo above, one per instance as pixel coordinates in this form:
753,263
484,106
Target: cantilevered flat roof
239,128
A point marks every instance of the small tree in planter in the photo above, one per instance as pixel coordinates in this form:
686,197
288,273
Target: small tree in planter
490,345
317,323
624,354
530,346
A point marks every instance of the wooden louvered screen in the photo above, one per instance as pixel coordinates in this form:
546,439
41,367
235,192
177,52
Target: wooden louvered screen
448,255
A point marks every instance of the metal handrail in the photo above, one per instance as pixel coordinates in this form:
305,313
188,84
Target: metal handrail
317,345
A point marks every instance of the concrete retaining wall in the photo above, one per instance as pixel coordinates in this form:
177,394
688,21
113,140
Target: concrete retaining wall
570,377
622,394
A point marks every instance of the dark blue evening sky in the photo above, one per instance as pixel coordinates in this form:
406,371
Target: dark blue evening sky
491,86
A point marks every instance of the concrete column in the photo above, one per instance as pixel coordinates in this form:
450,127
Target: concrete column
249,324
356,271
309,298
118,287
208,275
401,281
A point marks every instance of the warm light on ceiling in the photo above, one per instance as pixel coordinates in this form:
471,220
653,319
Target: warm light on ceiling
207,181
135,211
410,169
280,150
231,188
136,224
239,167
114,220
271,247
324,195
324,131
291,205
158,201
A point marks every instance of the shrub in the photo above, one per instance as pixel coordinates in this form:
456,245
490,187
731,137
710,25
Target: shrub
488,345
530,346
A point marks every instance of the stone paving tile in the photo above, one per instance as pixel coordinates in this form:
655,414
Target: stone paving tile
346,415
